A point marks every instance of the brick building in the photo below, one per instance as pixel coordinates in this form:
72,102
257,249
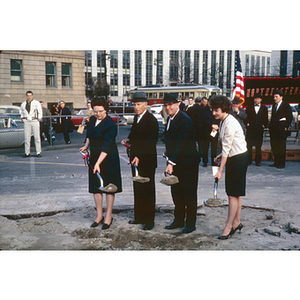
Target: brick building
51,75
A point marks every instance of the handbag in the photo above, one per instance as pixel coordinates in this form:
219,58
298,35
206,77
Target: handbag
80,129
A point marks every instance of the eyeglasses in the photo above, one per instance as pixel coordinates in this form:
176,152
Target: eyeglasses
99,111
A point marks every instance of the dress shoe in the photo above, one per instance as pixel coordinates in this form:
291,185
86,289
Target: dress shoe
133,221
239,227
273,165
258,164
224,237
175,224
26,155
188,229
68,143
95,224
148,226
280,167
106,226
39,155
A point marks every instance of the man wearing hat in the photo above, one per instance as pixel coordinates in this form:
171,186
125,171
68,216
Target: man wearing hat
257,120
143,138
237,111
183,162
281,119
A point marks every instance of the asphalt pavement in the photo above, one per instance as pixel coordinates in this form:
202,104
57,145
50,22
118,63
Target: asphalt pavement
58,180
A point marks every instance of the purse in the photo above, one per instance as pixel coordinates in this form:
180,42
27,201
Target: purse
80,129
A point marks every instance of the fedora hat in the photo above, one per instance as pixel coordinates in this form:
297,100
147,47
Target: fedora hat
170,98
236,100
139,97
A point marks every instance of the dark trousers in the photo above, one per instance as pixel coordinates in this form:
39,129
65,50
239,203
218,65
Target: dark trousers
184,194
257,144
144,198
278,147
66,136
213,151
44,127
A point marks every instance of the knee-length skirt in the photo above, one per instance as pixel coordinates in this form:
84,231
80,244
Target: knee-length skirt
235,175
109,171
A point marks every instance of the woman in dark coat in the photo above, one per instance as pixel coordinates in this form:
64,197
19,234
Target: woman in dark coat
101,134
65,123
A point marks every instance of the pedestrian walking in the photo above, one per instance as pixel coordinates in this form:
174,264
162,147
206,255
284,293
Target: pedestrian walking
45,123
65,124
31,114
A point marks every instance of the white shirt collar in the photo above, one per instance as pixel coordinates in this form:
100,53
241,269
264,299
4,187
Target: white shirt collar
140,116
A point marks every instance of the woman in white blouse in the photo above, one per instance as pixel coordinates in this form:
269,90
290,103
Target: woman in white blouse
235,156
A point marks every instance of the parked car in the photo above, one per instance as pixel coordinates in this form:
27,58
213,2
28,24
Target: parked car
11,133
12,111
77,119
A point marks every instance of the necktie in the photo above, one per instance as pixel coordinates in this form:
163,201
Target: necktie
276,107
169,123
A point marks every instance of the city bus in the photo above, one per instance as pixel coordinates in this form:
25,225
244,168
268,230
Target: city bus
155,94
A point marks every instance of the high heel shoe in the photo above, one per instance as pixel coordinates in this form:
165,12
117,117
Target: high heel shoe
239,227
106,226
224,237
95,224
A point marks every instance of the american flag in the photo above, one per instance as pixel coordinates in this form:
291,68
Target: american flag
238,84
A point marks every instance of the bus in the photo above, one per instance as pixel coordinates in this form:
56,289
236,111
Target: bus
155,94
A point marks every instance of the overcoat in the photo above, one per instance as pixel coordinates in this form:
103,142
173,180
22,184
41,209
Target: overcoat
102,139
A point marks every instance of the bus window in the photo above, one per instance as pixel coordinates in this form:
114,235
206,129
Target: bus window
192,94
161,95
154,95
186,94
150,95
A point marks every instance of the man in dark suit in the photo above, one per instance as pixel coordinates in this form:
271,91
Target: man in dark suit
143,138
257,120
183,162
281,119
237,111
209,133
195,112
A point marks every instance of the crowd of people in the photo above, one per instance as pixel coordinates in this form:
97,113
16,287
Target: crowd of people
189,130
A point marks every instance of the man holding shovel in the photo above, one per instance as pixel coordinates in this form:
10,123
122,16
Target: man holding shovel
183,161
143,138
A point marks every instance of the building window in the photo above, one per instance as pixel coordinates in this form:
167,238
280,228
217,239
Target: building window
205,66
196,66
263,66
16,70
228,79
50,74
137,67
66,75
159,64
149,58
247,66
220,71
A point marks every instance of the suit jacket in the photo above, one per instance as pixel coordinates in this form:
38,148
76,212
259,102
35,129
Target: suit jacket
280,120
241,117
196,114
143,138
208,121
180,142
256,122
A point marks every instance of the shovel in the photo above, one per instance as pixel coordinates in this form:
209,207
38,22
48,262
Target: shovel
110,188
169,179
215,201
137,177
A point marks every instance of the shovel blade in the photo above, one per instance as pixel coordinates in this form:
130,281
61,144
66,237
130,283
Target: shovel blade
170,180
110,188
140,179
